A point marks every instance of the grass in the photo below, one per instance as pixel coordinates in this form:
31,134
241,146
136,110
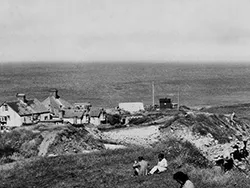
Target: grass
22,144
113,169
215,124
74,140
241,110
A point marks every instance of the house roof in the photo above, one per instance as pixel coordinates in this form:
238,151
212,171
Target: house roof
28,107
56,103
73,113
95,112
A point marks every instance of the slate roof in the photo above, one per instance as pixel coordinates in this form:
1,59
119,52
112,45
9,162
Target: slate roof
56,103
96,112
28,107
72,113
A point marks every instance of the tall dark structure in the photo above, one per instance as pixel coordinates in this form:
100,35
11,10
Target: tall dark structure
165,103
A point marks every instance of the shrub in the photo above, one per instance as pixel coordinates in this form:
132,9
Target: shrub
113,119
170,121
185,152
140,120
23,142
5,159
30,148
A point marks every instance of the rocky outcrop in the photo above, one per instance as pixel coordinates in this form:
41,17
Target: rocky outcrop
213,134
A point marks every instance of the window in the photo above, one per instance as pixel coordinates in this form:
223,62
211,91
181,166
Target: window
5,107
3,119
34,117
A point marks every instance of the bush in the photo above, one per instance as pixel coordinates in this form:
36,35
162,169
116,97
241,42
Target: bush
140,120
113,119
74,140
170,121
6,159
6,151
194,156
185,152
23,142
30,148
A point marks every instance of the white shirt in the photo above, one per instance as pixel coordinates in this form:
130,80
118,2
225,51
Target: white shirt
188,184
163,163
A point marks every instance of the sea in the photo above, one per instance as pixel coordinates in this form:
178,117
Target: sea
108,84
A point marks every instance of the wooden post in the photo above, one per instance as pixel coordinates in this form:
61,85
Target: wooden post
178,98
153,94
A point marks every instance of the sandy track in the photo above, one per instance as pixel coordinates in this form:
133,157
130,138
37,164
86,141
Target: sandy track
47,141
143,136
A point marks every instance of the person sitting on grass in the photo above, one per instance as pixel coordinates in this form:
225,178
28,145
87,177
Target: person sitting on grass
183,179
236,153
140,167
161,165
244,153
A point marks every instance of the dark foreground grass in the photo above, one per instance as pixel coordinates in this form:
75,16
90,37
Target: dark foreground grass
113,169
21,143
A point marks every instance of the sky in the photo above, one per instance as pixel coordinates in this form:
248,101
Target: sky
124,30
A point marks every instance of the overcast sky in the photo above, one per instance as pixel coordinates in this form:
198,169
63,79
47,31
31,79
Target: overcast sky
104,30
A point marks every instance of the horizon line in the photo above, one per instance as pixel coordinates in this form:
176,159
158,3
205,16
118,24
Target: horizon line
223,62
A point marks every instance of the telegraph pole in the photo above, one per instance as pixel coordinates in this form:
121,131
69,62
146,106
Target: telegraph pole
178,98
153,94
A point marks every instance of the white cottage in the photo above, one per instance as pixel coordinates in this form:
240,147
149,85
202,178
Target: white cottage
97,116
22,112
75,117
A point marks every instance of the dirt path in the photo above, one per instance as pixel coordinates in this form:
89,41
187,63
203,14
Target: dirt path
48,139
143,136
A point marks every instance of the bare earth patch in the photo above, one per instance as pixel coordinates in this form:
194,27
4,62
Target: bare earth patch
142,136
49,138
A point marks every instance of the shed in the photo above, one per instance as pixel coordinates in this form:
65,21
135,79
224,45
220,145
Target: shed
165,103
131,107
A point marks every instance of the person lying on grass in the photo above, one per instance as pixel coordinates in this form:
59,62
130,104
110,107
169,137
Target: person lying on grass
161,165
140,167
183,179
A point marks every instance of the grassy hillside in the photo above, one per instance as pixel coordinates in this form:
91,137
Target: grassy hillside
18,144
26,143
113,169
218,125
241,110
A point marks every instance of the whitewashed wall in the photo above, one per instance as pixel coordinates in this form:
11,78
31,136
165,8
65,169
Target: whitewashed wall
13,119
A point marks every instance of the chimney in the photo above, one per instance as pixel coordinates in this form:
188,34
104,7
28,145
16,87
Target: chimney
54,93
21,97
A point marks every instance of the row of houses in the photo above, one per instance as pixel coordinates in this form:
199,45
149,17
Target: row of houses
25,111
54,109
